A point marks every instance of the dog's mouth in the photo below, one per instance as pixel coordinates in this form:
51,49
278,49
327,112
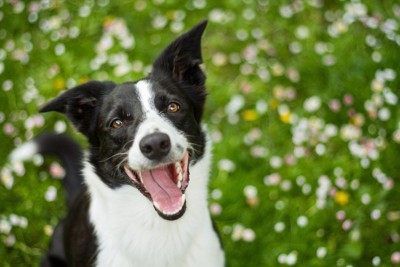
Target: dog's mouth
164,186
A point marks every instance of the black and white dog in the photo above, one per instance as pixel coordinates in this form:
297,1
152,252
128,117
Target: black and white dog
139,196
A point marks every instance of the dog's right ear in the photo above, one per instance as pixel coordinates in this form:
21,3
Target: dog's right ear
182,58
80,104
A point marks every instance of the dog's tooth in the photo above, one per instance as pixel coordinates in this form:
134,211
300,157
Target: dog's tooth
157,205
140,177
180,178
178,167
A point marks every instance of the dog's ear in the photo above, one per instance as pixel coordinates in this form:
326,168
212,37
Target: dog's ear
80,104
182,58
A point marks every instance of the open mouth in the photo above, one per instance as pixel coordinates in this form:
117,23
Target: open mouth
164,186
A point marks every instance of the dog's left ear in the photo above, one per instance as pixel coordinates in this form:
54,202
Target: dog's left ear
80,104
182,58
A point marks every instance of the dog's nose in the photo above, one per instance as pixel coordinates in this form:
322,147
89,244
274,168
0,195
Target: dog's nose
155,146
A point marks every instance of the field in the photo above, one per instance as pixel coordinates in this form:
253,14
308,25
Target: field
303,110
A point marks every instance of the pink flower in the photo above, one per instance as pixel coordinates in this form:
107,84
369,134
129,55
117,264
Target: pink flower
56,170
395,257
335,105
8,129
347,225
340,215
215,209
348,99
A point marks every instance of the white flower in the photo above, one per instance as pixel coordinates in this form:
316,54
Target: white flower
396,136
248,235
355,10
250,191
261,106
51,194
302,221
275,162
302,32
331,130
350,132
376,261
6,178
320,48
60,127
5,226
279,227
384,114
321,252
272,179
237,232
312,104
84,11
106,42
389,96
323,190
236,103
216,194
226,165
286,11
288,259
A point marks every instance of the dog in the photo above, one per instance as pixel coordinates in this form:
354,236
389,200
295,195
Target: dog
138,197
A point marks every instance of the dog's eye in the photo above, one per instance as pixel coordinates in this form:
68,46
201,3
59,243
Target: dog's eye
117,123
173,107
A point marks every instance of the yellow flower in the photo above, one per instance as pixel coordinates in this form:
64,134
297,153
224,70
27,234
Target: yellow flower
342,198
59,84
108,20
358,120
249,115
285,117
83,79
252,202
48,230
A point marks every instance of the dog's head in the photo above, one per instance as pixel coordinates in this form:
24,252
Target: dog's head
146,133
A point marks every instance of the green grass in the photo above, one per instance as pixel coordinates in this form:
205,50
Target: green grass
273,53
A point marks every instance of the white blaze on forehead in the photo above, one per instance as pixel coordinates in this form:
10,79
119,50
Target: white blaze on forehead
146,96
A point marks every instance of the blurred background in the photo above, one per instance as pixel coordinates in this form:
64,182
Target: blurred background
302,108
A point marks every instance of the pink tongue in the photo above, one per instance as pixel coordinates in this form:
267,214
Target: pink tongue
166,196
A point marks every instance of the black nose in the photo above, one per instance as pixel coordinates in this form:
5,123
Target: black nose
155,146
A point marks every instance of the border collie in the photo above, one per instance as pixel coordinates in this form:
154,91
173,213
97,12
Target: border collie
138,197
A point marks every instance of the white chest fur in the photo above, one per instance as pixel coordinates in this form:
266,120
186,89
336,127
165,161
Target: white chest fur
131,233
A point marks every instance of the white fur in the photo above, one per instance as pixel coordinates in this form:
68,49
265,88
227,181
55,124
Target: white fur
153,121
24,152
131,233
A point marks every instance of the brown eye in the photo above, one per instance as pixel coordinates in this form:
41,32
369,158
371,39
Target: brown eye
117,123
173,107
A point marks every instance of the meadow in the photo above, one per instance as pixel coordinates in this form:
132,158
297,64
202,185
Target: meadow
303,110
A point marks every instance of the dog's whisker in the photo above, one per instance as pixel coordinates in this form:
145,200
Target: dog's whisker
115,155
126,144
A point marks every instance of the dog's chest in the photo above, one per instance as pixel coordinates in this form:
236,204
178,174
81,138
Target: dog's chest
157,245
130,232
144,239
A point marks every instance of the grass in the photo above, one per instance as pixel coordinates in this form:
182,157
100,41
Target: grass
302,109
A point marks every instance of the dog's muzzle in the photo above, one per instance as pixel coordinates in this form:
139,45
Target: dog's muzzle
164,185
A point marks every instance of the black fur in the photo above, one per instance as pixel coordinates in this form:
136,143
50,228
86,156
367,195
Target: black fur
179,64
71,156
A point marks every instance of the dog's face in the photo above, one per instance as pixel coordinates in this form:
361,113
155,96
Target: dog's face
146,133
